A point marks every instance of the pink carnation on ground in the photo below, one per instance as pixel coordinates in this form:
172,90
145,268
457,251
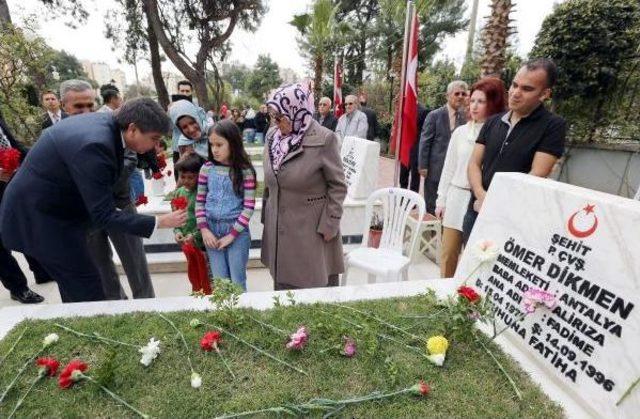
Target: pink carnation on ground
299,339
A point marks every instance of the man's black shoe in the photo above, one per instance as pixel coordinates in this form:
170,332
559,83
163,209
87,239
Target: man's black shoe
27,297
40,280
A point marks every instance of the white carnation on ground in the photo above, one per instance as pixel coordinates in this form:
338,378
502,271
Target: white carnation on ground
437,359
149,352
485,251
196,380
50,339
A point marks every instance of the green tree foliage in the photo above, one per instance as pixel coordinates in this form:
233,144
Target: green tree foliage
67,66
264,77
432,83
25,59
595,44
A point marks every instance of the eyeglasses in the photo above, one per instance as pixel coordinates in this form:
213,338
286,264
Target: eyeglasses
350,103
458,94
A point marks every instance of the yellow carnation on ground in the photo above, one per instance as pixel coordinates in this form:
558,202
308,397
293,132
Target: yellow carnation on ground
437,345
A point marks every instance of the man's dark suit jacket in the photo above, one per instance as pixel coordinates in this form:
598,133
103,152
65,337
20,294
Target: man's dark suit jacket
434,140
329,122
46,119
372,121
65,187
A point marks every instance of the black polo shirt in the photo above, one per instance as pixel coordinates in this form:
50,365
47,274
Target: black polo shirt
540,131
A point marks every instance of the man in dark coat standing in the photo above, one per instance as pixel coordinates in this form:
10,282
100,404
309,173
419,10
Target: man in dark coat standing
435,136
412,170
65,187
324,114
11,275
372,118
53,113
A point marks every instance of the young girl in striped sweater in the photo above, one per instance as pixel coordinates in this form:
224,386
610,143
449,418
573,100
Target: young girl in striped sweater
225,203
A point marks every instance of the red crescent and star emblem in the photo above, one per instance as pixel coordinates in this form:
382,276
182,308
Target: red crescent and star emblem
580,233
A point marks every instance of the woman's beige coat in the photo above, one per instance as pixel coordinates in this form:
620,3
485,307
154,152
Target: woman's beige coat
300,203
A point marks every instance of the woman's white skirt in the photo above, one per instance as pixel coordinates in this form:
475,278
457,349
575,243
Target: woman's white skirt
456,207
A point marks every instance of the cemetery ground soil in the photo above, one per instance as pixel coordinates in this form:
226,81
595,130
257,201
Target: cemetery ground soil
468,385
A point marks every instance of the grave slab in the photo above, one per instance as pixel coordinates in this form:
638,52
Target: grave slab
582,246
360,163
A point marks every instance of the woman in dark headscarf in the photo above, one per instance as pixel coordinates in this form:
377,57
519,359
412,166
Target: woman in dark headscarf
304,191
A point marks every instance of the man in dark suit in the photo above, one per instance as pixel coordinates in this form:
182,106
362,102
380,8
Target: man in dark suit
53,112
324,116
11,275
412,170
372,118
435,136
65,187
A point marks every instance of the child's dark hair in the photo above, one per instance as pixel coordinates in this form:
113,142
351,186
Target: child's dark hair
191,163
239,158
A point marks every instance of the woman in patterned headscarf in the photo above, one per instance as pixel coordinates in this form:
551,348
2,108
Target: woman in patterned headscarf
304,191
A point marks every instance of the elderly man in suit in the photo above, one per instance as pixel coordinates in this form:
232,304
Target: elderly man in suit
435,136
53,112
324,115
65,188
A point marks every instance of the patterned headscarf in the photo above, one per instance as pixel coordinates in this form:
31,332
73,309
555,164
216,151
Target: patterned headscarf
294,102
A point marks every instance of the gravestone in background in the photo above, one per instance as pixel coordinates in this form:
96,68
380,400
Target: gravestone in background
360,163
583,246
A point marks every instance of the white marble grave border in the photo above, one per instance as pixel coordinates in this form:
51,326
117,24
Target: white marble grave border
11,316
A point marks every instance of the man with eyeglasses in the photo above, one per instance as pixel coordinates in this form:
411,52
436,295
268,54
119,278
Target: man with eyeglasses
435,136
324,115
354,122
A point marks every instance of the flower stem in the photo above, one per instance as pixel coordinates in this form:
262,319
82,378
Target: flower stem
472,272
626,393
24,396
269,326
383,322
116,397
184,342
506,374
95,336
262,351
225,363
20,372
13,346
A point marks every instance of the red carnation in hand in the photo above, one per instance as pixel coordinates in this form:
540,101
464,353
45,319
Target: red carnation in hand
162,161
72,373
157,175
179,203
48,366
141,200
210,341
469,293
9,160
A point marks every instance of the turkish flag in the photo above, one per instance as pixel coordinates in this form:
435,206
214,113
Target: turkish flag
338,107
409,112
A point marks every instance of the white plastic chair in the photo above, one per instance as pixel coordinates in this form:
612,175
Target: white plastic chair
391,260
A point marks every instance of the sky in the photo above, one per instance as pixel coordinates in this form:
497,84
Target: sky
274,37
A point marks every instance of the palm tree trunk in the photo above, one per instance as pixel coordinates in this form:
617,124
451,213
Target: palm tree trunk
5,15
318,61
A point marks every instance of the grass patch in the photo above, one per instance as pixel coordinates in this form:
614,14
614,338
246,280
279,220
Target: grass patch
468,385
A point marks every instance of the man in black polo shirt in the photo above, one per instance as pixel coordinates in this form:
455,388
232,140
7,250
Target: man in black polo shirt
527,138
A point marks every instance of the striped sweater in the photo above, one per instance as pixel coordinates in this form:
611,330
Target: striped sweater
225,197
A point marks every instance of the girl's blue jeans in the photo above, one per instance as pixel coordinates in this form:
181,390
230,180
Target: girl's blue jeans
230,262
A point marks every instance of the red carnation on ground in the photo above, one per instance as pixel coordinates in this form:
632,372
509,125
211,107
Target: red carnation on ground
142,200
9,159
469,293
210,341
72,373
179,203
157,175
48,366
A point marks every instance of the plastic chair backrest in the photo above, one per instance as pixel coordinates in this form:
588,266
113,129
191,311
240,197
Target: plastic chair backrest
397,204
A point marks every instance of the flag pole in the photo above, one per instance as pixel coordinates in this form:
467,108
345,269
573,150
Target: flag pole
403,81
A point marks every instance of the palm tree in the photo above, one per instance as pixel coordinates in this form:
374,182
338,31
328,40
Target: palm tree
317,30
495,37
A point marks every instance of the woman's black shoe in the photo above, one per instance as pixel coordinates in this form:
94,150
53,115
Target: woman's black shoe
27,297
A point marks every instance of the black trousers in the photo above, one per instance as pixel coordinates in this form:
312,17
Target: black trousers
431,194
11,275
469,221
405,173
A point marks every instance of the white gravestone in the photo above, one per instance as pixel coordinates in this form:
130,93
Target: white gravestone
584,247
360,163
